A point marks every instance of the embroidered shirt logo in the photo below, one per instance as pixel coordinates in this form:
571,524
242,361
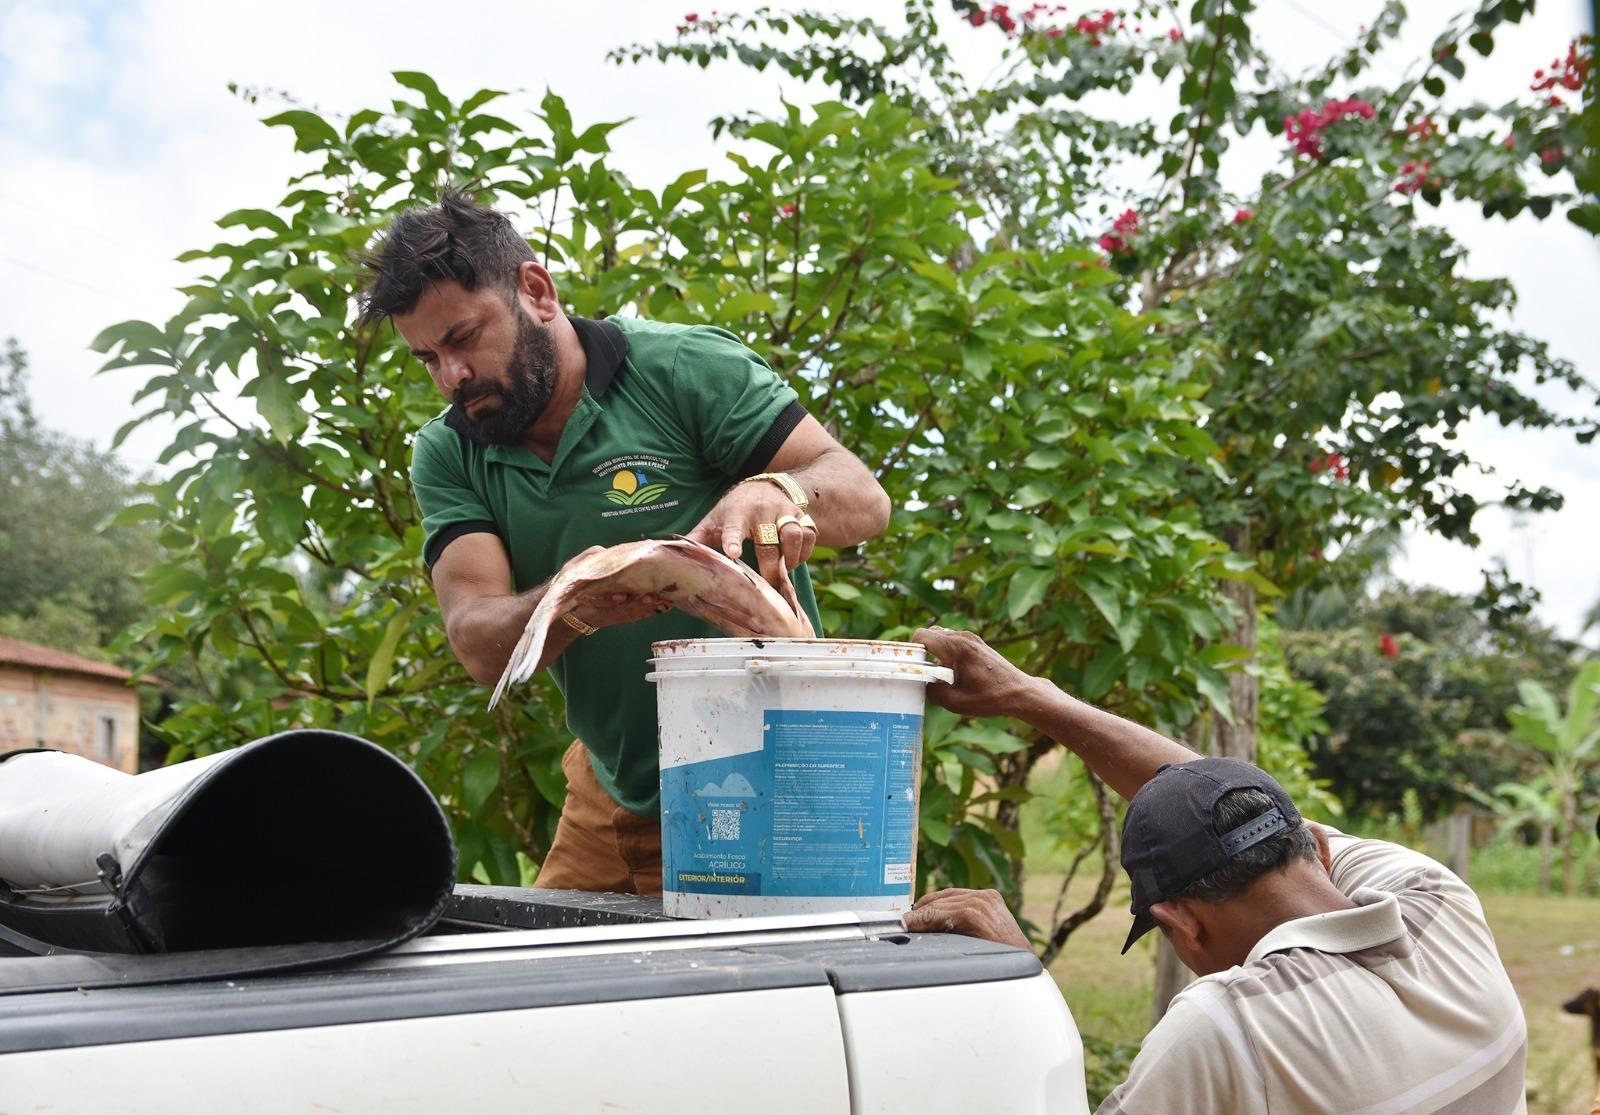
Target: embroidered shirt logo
632,487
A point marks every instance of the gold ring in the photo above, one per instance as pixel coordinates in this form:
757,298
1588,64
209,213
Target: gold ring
766,534
807,521
577,624
785,520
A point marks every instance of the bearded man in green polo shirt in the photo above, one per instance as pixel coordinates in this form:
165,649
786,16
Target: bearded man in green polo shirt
564,434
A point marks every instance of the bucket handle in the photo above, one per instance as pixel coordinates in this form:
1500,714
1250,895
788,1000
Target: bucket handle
921,673
910,671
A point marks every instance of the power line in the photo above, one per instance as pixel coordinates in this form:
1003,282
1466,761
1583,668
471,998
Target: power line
37,270
60,220
1340,35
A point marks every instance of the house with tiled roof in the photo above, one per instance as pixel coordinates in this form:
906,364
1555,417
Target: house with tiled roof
49,698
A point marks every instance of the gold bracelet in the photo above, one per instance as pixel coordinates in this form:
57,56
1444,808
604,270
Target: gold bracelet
783,480
577,624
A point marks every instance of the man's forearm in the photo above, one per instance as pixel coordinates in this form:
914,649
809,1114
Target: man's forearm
484,631
847,502
1123,754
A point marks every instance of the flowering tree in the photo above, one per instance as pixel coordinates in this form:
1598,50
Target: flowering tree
1340,345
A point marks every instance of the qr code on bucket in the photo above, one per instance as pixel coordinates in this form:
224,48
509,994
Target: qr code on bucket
724,824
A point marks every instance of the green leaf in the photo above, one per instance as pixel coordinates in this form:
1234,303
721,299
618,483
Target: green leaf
593,139
681,186
422,83
479,778
478,100
938,272
131,335
1214,688
1102,672
742,305
976,357
1106,600
989,737
1027,591
310,130
255,219
279,403
382,664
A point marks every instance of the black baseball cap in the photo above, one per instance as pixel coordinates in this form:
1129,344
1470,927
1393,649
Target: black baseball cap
1168,843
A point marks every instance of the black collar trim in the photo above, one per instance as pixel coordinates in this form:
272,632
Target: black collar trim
605,347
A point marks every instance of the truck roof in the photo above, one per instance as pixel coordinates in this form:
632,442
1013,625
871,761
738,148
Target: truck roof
504,949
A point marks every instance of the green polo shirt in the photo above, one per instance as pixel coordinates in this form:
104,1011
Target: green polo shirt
671,417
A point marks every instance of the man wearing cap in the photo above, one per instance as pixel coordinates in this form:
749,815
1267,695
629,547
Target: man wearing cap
1336,974
564,434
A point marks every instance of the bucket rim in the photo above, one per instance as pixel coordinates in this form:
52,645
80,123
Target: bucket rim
920,672
671,647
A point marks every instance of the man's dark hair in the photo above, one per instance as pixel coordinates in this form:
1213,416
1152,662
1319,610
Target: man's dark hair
1240,807
457,240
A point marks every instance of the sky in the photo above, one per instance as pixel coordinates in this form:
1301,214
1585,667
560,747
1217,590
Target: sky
120,145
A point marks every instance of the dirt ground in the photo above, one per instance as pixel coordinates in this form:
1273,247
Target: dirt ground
1551,947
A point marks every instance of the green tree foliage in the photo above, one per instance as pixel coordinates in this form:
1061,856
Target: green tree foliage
1339,340
1032,432
1417,683
1565,748
63,581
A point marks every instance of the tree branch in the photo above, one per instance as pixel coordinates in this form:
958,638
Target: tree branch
1110,851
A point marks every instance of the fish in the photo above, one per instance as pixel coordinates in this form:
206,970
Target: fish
704,582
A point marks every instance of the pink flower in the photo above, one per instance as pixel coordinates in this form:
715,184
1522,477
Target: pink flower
787,211
1175,35
1552,155
1388,647
1511,142
1304,129
1243,215
691,17
1128,222
1565,73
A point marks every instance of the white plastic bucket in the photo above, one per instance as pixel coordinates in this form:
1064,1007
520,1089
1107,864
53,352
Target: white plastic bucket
790,772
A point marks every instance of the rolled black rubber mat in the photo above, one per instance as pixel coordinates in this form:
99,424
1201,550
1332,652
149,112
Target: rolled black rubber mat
306,837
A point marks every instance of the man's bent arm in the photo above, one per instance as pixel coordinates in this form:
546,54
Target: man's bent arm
846,500
483,617
1123,754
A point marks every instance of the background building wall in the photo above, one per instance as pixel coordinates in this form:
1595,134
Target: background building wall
95,718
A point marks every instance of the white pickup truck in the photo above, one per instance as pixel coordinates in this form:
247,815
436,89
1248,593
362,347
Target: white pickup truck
547,1001
273,929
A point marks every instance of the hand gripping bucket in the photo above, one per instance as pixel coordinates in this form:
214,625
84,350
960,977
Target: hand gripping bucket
790,773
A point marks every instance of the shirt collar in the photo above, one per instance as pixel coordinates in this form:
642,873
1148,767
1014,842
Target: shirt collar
604,349
1374,921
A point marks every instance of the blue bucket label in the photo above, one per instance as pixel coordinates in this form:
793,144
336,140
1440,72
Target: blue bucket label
827,807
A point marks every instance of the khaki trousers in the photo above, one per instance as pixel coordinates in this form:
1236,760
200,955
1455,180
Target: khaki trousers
599,845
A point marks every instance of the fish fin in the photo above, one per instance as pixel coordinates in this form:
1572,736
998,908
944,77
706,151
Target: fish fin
508,675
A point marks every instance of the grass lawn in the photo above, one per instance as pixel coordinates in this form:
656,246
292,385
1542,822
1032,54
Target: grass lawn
1551,947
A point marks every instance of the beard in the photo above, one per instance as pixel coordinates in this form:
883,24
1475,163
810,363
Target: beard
529,382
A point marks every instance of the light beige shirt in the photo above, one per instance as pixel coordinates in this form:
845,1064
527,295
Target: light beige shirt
1398,1006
